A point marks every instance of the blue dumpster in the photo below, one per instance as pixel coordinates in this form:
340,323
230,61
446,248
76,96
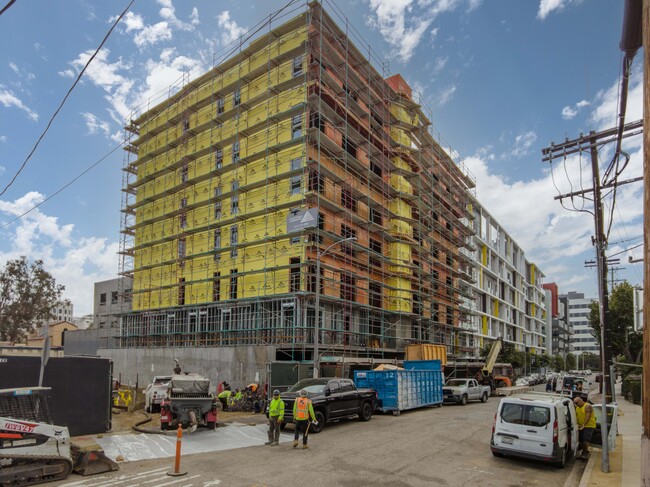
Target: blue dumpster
399,390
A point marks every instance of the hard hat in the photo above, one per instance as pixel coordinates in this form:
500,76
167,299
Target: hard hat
276,392
303,393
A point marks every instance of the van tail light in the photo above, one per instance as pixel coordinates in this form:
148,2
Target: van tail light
556,431
494,424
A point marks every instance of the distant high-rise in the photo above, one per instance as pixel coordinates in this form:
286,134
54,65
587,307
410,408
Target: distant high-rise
577,309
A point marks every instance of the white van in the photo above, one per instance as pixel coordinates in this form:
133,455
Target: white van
537,426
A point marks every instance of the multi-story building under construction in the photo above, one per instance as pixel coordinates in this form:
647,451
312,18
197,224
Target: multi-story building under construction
295,149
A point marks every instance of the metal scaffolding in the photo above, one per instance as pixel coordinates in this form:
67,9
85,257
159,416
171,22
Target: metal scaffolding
298,121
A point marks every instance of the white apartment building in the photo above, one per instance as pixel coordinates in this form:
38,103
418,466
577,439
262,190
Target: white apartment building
578,309
509,300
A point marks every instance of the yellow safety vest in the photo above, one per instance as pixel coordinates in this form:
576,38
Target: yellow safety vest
581,414
302,408
276,408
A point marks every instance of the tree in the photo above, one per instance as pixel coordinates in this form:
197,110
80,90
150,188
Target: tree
625,341
570,363
557,362
28,294
508,355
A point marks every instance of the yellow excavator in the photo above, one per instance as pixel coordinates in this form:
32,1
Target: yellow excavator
34,451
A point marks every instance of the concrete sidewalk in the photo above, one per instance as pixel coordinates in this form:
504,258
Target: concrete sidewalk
625,459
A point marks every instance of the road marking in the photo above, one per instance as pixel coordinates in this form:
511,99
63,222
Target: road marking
121,479
179,480
211,482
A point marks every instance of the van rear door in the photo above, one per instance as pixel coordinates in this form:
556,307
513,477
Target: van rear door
537,429
509,425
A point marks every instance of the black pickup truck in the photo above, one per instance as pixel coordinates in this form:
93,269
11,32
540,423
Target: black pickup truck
332,399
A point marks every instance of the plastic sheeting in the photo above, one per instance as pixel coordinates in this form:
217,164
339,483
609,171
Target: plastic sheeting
146,446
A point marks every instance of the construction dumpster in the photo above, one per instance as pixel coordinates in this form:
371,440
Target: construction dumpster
399,390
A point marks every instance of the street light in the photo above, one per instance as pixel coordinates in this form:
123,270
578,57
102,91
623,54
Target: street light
317,317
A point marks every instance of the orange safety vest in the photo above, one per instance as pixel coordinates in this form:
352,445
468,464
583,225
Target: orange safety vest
302,408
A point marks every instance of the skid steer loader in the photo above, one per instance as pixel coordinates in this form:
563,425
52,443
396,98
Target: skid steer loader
34,451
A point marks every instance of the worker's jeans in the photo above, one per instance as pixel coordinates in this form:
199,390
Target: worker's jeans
301,427
274,429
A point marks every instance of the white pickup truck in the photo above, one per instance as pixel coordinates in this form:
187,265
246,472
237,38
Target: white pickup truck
155,393
462,390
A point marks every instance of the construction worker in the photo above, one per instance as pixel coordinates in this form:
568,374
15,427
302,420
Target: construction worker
302,412
586,420
276,416
224,398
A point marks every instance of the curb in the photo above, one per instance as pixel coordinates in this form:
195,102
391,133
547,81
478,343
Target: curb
586,475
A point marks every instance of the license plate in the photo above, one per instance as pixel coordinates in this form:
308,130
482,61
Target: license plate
507,440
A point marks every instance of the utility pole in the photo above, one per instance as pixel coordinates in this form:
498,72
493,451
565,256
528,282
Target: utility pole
578,145
601,261
645,438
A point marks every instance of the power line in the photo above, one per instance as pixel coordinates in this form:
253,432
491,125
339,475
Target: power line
6,7
65,186
76,81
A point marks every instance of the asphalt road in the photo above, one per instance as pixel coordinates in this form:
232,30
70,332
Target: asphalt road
446,446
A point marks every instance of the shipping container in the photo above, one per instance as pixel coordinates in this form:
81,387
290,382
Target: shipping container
399,390
426,351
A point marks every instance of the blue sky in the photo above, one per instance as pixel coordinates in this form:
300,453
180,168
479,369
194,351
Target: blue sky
502,79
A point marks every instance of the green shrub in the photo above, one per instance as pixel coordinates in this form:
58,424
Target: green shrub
631,389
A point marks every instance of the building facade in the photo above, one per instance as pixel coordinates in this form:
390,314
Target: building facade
509,300
560,330
297,153
112,298
577,310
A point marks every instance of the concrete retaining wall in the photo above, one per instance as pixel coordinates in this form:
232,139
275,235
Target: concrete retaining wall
238,365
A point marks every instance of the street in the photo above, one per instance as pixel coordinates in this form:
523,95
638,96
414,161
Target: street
446,446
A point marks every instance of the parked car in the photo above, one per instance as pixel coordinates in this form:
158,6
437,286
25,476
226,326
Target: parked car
332,399
536,426
462,390
575,386
523,381
155,393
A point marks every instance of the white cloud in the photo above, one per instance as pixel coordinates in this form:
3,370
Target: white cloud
8,99
67,73
75,263
569,112
95,125
230,31
153,34
548,6
168,12
551,235
446,95
440,64
132,21
100,71
14,68
3,138
523,142
605,114
194,18
403,23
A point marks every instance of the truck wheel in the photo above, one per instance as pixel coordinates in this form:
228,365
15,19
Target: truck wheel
283,425
147,409
320,417
366,412
463,400
164,426
497,454
484,397
211,425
